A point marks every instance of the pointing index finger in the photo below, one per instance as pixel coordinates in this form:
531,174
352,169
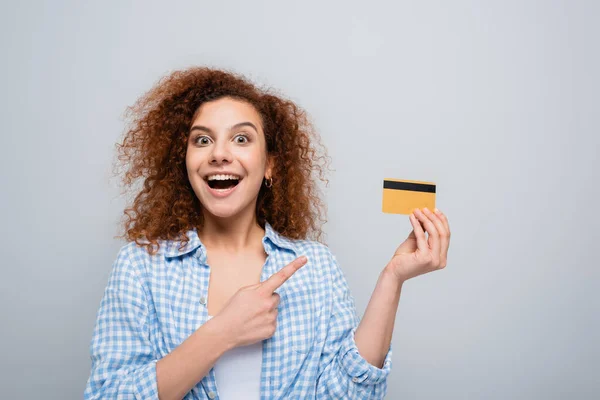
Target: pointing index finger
279,278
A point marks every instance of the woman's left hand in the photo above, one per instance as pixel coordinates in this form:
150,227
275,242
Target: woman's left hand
418,254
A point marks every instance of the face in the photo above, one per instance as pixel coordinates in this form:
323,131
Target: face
226,157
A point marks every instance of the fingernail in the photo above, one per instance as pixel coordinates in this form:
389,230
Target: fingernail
426,209
303,259
435,210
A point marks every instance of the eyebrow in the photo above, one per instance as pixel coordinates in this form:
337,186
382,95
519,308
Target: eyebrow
208,130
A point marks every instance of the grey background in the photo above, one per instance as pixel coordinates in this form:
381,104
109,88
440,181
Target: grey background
496,102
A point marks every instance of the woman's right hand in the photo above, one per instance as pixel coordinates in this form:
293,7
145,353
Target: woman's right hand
251,313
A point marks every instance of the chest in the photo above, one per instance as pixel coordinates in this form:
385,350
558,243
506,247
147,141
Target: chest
180,302
229,273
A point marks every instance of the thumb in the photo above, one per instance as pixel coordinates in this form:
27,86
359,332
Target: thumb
257,285
409,245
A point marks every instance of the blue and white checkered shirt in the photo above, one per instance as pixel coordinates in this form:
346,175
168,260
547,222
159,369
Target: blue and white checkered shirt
152,303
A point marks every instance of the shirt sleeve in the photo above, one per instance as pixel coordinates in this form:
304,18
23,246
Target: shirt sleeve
343,372
123,363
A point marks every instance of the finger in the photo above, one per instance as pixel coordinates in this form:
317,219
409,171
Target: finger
444,219
438,249
439,225
276,299
418,232
444,238
251,286
278,278
434,236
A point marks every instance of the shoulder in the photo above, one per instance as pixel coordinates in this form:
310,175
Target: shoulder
132,265
313,248
320,256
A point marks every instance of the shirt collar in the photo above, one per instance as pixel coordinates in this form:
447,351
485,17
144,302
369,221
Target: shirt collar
172,247
277,239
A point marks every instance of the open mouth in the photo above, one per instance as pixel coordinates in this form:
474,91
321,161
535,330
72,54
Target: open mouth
222,183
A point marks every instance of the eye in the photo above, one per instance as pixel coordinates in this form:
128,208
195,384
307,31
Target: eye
244,137
202,140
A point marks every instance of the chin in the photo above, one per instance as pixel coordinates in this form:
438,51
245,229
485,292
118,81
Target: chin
227,208
222,212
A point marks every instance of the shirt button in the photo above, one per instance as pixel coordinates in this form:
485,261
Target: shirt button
212,395
203,302
355,379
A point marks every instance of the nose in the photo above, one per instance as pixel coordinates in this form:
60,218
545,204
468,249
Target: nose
220,154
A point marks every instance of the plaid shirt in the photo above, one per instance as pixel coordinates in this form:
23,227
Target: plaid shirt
152,303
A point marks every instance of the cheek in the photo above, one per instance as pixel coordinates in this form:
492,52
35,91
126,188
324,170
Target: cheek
193,160
253,162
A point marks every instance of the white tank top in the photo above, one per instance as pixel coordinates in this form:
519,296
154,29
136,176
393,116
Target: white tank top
238,372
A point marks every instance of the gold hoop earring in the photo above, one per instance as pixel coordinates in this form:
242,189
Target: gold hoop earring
269,182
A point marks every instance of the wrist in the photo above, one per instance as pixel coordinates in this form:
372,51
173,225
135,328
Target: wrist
217,330
389,273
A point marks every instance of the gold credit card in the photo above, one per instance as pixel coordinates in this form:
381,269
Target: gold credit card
401,196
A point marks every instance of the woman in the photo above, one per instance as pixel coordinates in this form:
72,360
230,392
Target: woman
220,293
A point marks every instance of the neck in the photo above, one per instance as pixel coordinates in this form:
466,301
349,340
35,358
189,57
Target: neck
234,234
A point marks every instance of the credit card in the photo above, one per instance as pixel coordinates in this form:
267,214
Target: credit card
402,196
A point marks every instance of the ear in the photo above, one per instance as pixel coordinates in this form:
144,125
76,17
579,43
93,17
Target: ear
270,166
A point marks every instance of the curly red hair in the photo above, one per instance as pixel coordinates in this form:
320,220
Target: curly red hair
155,144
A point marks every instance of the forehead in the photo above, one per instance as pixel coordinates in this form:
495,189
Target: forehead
226,111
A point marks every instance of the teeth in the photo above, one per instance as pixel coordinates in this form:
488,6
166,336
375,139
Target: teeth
222,177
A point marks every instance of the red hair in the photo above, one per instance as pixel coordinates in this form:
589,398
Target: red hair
155,145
